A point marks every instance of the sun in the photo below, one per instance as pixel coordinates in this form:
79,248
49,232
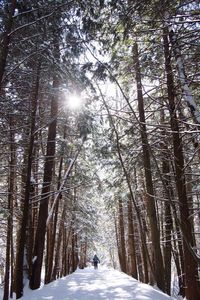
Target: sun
74,101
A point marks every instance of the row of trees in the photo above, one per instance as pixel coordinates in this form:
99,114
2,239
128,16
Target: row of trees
145,138
42,156
154,124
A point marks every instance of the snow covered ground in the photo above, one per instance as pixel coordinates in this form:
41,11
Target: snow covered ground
90,284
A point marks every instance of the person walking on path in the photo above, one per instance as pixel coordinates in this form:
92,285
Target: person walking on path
96,261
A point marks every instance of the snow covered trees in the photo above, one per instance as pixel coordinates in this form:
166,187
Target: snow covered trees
44,35
163,93
136,65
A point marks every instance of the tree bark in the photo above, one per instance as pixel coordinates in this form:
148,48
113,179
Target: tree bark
52,230
167,252
187,94
23,226
151,209
11,191
192,289
122,247
131,242
47,179
57,268
64,255
179,261
10,10
168,223
74,250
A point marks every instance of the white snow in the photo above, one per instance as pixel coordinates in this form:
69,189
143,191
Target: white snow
34,259
90,284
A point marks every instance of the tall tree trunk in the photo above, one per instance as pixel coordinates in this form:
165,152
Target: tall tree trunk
73,249
47,179
122,245
12,257
131,242
189,188
143,232
139,259
151,208
168,223
10,10
57,267
34,205
23,226
167,253
75,252
49,252
52,231
179,261
64,254
117,239
192,290
83,254
187,94
11,191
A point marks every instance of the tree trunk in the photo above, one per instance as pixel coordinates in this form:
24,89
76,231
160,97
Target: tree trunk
64,253
131,242
47,179
12,262
168,223
57,268
141,274
52,231
23,226
34,205
76,251
189,189
122,246
187,94
167,253
192,289
49,252
83,254
178,259
11,191
10,10
151,209
73,251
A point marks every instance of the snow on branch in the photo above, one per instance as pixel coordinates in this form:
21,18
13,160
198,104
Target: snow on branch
187,95
71,164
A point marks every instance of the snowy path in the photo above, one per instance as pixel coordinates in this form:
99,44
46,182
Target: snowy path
90,284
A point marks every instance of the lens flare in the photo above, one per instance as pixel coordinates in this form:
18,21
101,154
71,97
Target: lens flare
74,101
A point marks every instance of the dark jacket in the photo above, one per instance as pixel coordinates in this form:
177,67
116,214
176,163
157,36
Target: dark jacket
96,259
